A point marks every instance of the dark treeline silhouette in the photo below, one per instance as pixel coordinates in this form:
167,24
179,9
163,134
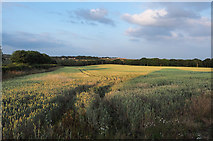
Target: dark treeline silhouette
26,61
88,60
34,57
30,57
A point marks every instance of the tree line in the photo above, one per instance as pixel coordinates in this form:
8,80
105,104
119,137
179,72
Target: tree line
142,62
34,57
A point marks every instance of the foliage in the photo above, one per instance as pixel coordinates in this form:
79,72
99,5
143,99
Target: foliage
34,57
18,69
84,61
30,57
25,67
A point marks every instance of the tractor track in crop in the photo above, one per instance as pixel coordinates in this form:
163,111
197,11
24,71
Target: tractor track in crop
86,72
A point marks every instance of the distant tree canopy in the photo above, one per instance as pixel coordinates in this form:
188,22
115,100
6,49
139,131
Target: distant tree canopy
34,57
30,57
65,61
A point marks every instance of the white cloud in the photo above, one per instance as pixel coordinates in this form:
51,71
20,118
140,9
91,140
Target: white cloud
146,18
168,24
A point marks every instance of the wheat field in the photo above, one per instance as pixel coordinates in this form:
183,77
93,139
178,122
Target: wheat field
108,102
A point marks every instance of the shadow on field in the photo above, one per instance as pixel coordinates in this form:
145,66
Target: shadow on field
165,104
44,122
160,105
101,91
66,101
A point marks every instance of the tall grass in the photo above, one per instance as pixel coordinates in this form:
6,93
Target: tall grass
107,101
155,104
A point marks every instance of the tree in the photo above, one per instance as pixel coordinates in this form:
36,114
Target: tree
30,57
197,62
208,62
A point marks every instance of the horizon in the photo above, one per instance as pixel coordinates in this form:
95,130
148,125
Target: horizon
121,57
130,30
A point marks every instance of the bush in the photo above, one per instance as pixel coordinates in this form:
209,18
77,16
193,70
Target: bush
15,67
25,67
30,57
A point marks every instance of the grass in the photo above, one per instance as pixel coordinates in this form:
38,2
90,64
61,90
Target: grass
108,101
162,96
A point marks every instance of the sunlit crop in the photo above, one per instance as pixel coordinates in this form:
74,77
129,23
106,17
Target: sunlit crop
103,101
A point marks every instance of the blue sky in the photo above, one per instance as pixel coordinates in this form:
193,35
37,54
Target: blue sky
128,30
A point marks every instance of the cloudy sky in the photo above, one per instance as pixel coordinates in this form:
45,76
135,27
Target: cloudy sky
129,30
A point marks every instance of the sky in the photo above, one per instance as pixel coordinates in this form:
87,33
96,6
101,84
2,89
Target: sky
118,29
